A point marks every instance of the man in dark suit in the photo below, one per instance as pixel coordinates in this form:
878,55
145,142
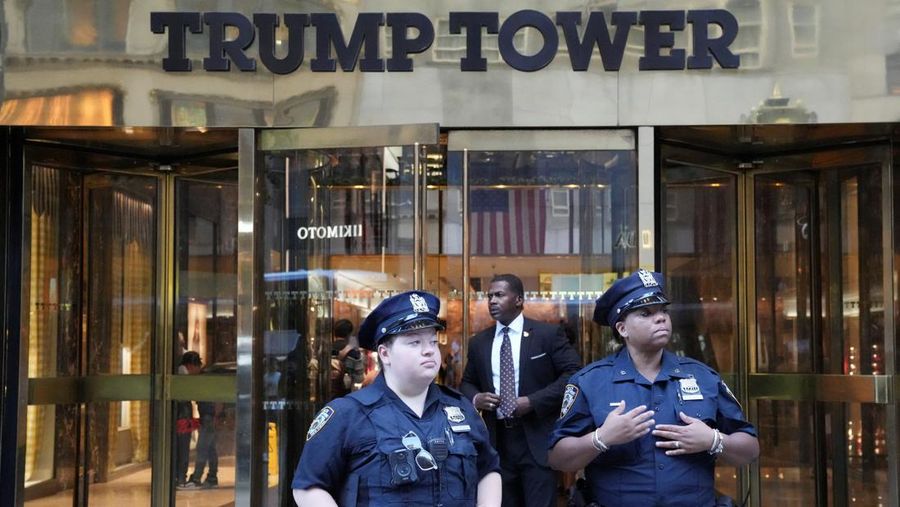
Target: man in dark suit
515,374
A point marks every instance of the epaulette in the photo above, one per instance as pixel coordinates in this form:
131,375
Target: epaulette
450,391
694,362
366,397
606,362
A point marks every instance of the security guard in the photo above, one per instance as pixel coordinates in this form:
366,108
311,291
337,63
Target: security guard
648,425
403,440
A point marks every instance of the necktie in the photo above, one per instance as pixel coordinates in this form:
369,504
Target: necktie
507,378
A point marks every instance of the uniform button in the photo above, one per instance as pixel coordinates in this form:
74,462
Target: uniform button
660,466
622,372
677,370
698,415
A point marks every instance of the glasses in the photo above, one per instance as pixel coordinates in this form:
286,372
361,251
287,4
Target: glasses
424,460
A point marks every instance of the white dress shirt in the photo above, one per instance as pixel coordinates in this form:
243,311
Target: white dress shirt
515,340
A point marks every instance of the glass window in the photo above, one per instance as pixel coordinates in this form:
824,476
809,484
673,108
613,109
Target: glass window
563,221
700,241
207,270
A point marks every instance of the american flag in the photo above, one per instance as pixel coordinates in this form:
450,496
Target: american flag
507,221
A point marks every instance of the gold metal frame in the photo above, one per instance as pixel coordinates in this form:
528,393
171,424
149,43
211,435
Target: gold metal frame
753,386
252,145
161,386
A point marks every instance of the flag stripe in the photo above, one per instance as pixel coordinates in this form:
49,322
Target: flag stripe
515,226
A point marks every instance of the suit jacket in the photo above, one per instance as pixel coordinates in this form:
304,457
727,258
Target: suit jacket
546,361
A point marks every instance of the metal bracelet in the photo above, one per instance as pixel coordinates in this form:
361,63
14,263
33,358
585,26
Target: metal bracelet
718,444
598,444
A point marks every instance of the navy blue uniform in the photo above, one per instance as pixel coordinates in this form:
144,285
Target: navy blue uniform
349,444
637,472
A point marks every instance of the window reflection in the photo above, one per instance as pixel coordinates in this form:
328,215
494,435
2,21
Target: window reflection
207,270
565,222
699,254
784,248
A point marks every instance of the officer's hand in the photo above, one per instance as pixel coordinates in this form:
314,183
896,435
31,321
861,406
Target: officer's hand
486,401
523,406
695,436
621,427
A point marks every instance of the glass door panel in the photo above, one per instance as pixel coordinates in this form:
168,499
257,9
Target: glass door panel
204,323
785,238
699,251
340,223
91,302
787,460
819,296
556,209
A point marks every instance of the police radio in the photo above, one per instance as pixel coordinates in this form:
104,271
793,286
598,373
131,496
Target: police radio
403,468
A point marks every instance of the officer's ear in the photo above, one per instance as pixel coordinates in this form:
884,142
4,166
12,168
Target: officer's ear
620,328
384,352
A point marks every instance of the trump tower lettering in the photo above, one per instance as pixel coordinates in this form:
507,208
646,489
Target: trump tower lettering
332,49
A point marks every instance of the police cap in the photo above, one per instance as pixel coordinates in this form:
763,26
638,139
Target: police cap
639,289
399,314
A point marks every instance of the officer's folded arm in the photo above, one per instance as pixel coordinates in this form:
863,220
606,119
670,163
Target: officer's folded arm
490,490
313,497
571,454
740,449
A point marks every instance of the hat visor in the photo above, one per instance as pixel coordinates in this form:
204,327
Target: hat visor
422,321
652,300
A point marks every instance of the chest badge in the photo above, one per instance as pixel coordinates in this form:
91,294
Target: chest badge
455,415
689,389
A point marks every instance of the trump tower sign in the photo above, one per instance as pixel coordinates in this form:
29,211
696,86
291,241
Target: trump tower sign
231,34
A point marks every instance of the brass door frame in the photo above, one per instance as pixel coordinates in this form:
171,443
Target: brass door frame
161,387
819,387
752,385
252,145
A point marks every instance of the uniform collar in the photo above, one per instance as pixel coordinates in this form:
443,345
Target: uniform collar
624,370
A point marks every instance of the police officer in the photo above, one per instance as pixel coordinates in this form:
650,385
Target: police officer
648,425
403,439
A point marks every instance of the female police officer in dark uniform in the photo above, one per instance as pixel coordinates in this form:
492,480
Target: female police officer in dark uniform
402,440
648,425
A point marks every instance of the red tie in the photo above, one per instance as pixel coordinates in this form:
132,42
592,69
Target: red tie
507,378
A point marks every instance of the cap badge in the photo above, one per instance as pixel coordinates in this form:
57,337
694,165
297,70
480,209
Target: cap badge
418,303
647,278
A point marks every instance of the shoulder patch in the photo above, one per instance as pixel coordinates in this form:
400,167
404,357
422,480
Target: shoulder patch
569,397
319,422
733,397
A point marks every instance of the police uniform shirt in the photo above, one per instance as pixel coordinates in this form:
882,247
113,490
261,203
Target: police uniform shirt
637,472
348,447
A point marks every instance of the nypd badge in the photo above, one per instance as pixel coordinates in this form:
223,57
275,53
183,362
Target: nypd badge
418,303
319,422
689,389
568,399
455,414
647,278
